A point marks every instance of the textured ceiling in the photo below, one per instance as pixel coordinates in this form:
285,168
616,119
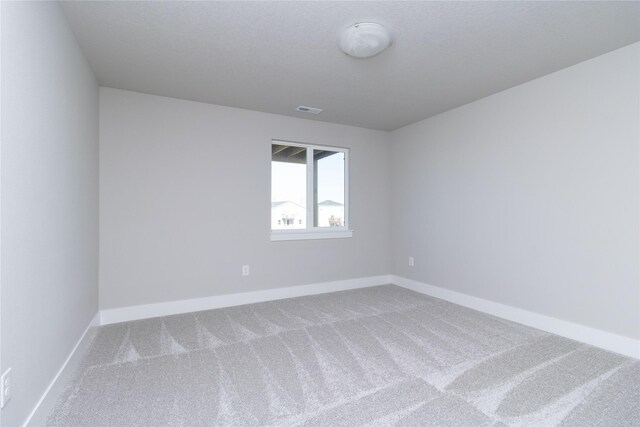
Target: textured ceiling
274,56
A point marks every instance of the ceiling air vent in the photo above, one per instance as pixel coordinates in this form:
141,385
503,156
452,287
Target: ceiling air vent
311,110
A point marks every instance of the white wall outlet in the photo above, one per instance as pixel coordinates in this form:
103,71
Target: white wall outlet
6,387
245,270
411,261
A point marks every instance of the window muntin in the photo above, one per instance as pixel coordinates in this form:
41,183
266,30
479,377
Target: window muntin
308,189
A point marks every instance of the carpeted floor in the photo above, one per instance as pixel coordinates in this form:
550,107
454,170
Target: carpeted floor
376,356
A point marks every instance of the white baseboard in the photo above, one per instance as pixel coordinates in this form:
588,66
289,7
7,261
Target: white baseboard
136,312
38,415
596,337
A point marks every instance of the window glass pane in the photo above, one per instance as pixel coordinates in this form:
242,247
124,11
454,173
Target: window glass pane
288,187
329,188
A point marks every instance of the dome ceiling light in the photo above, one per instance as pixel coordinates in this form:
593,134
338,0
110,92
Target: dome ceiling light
364,40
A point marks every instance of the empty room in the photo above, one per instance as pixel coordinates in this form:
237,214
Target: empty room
323,213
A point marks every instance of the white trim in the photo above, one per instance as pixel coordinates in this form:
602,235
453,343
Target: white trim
347,200
277,236
310,186
596,337
124,314
47,400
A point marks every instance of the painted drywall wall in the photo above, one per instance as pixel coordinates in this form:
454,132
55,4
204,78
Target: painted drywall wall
49,198
530,197
185,202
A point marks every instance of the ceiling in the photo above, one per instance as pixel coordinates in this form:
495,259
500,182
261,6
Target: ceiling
274,56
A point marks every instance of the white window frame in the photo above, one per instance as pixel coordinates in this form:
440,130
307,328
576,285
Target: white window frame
313,232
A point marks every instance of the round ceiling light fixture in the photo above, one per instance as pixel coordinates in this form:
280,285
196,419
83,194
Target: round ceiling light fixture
364,40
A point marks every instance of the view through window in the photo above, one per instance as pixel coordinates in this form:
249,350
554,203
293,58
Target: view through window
307,187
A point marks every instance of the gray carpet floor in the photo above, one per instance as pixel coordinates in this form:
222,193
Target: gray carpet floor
376,356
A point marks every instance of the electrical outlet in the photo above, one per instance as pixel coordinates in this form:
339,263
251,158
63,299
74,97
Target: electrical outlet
411,261
6,387
245,270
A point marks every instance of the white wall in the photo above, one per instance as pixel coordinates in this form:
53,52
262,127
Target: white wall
530,197
49,198
185,201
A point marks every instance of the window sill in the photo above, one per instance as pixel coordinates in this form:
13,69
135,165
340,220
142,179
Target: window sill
309,235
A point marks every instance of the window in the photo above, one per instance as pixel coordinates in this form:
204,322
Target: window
309,198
